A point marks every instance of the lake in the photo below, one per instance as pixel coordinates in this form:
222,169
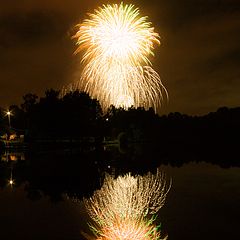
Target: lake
203,202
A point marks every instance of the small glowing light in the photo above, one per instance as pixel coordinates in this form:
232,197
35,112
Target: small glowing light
8,113
13,158
11,182
12,137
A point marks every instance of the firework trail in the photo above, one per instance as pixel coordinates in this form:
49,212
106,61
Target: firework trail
124,208
116,43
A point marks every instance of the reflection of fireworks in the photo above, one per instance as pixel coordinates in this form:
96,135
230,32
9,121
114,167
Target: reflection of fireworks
123,229
117,43
121,208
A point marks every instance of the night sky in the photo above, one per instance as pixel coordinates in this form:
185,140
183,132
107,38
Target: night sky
198,59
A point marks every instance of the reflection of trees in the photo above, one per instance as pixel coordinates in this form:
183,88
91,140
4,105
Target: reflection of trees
63,173
54,174
79,173
123,207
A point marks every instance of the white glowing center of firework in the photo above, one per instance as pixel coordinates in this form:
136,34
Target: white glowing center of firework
116,41
125,101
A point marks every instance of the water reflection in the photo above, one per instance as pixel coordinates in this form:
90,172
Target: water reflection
11,180
141,156
12,156
201,192
73,171
125,207
52,174
80,172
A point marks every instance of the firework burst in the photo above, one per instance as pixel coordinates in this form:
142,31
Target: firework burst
116,43
124,208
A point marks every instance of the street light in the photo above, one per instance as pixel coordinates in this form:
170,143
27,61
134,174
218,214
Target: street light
8,113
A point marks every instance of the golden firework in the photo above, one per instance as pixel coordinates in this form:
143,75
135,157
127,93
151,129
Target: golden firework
116,43
123,207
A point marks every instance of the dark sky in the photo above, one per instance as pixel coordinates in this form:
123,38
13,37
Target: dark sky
198,59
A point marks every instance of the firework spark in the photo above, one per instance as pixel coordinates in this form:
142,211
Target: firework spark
121,209
116,43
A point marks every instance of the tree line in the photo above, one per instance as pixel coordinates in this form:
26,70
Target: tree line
77,116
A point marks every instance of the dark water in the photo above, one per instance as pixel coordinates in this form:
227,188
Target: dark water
203,203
